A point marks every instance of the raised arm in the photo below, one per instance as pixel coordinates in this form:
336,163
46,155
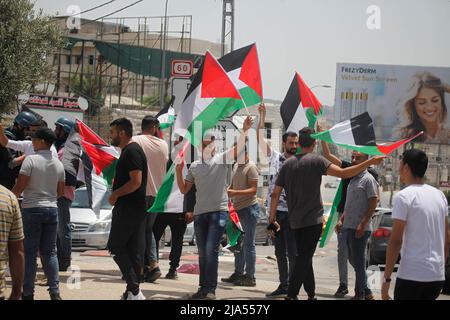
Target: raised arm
335,171
263,146
326,151
248,122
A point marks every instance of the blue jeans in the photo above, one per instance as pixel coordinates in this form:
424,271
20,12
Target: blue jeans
246,258
342,258
285,249
357,257
40,228
64,240
209,228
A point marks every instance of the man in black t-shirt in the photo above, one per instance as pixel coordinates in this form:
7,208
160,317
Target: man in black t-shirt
126,238
342,249
301,177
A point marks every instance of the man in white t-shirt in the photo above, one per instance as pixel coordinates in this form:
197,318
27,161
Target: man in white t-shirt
25,146
420,233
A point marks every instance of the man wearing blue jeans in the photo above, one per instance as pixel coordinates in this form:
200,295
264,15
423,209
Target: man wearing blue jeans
41,179
362,199
243,195
210,176
342,247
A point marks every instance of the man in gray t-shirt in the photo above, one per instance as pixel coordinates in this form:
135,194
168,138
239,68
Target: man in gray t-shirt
210,176
360,205
41,179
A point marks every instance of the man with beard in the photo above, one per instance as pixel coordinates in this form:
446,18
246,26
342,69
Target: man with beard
285,249
126,238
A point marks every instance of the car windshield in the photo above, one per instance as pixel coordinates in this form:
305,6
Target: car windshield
386,221
81,200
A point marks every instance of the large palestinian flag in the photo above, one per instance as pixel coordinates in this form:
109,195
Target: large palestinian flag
242,66
211,97
358,134
300,107
101,158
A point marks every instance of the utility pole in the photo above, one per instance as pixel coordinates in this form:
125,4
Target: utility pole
163,60
227,25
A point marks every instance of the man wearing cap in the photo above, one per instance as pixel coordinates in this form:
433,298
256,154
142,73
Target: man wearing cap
63,126
41,179
210,175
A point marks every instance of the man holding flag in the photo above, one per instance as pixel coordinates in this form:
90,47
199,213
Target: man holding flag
301,177
209,174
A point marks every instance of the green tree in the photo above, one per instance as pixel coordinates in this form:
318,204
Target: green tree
27,38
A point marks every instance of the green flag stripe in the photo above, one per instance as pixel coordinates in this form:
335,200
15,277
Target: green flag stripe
233,233
333,217
249,96
164,191
325,136
109,172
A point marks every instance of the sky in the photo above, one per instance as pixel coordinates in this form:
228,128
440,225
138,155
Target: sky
307,36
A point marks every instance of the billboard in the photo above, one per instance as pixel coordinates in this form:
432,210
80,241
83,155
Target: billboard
402,100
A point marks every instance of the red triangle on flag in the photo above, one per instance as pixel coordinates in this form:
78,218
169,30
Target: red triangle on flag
307,97
215,81
250,72
88,135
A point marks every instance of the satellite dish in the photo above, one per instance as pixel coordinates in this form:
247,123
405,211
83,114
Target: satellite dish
83,103
23,98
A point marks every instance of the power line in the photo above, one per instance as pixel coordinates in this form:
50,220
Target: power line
99,6
109,14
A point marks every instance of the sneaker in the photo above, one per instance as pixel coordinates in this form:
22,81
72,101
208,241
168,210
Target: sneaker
172,274
124,295
369,296
279,292
342,291
29,298
55,296
291,298
312,298
153,275
199,295
231,279
63,266
245,281
139,296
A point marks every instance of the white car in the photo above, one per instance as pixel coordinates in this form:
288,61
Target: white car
88,229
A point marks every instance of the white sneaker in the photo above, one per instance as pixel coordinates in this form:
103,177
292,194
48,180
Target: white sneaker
139,296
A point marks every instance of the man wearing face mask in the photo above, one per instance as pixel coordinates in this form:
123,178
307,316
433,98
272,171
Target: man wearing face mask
63,126
209,175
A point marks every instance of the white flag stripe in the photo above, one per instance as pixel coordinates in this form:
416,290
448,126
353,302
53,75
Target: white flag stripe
234,77
299,121
342,133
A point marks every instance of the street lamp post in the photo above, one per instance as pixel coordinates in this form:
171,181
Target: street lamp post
163,60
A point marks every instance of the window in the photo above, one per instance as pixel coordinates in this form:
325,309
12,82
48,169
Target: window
68,59
268,127
91,59
79,59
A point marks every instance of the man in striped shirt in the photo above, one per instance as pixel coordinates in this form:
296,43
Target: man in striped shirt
11,240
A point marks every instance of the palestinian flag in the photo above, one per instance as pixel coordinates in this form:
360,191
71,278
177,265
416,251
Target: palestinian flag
234,230
358,134
100,160
242,66
166,116
332,218
211,97
300,107
169,197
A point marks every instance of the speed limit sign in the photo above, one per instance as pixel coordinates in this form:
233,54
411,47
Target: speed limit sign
182,68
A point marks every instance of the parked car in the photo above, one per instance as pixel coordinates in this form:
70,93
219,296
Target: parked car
331,185
378,241
88,229
189,236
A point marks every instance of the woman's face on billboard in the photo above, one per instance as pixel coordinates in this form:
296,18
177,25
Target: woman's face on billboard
428,106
